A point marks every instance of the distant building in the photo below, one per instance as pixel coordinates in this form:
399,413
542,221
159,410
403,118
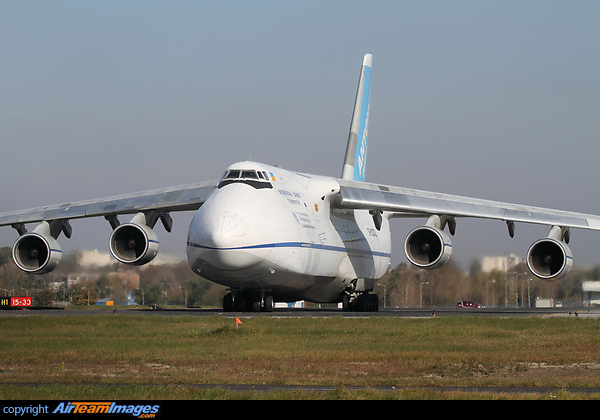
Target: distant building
95,258
504,263
298,304
130,300
105,302
591,292
544,302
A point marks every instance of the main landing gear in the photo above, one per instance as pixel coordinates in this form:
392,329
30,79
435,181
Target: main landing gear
357,298
364,302
244,301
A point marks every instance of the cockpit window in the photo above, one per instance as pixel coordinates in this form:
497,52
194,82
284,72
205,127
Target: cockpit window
249,174
250,177
233,174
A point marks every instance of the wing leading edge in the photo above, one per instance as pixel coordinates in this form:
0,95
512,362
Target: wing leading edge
132,243
406,202
180,198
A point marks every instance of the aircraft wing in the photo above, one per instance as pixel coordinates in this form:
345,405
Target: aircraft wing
406,202
179,198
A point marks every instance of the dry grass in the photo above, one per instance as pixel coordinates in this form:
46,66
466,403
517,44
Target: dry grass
166,351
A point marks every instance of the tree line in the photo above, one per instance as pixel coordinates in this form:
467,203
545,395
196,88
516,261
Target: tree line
403,287
406,286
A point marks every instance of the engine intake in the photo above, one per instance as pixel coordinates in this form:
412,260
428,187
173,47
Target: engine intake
37,252
428,247
134,244
549,259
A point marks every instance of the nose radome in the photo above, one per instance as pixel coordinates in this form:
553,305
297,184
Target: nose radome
227,243
227,231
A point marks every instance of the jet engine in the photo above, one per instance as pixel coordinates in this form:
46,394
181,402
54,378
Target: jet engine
134,243
428,246
37,252
550,258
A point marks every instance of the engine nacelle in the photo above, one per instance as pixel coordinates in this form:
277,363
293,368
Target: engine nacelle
549,259
134,244
36,253
428,247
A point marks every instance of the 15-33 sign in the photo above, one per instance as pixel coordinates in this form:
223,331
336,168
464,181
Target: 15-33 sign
16,301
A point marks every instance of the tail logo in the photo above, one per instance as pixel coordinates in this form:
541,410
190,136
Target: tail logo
362,156
360,165
355,161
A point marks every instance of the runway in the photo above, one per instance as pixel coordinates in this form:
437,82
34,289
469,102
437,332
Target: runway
319,312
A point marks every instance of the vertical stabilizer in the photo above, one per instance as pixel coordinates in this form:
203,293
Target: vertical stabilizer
355,163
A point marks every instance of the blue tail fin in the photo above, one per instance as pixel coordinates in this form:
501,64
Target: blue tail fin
355,163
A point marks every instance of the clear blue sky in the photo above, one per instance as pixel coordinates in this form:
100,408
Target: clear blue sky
492,99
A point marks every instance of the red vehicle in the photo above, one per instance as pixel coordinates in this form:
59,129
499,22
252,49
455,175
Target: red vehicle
468,304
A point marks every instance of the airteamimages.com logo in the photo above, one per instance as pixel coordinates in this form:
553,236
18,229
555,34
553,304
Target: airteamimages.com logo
79,408
143,411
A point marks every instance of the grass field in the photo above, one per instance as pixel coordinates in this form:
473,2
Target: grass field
163,357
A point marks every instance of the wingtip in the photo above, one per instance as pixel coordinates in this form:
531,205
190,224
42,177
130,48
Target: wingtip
368,60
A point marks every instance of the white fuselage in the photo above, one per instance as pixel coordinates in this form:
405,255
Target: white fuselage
283,237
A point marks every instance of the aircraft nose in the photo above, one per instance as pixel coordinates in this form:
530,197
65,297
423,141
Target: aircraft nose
227,231
223,239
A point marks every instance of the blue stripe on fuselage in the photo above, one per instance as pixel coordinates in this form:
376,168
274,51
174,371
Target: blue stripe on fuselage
298,245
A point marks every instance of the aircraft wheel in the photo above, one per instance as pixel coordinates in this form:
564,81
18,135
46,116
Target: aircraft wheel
256,303
346,303
367,303
362,303
374,303
242,302
268,304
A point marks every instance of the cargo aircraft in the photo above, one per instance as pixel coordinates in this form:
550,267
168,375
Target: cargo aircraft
274,235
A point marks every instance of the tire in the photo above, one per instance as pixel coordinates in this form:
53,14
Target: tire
241,302
374,303
346,303
268,304
256,304
367,303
